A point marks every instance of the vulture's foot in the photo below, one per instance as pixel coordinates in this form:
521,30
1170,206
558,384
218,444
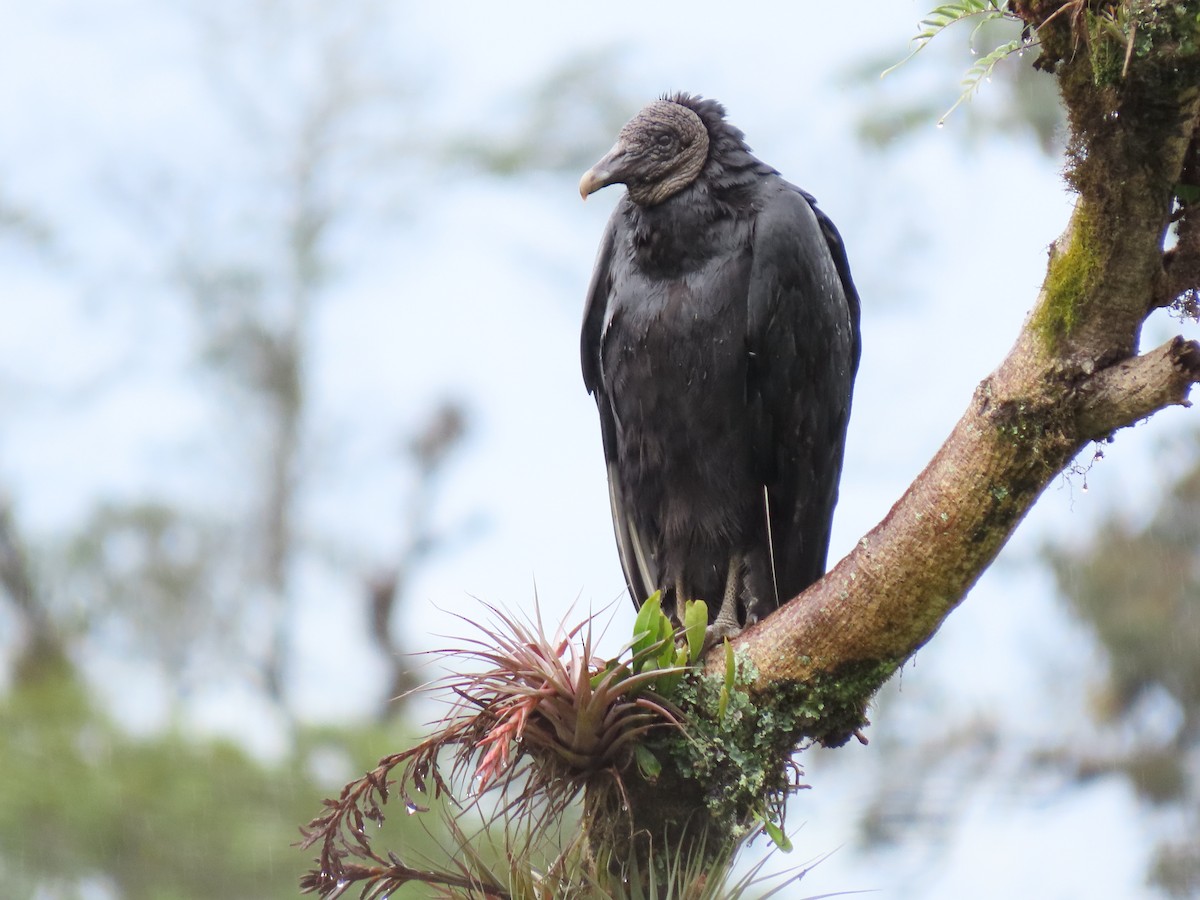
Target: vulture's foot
726,625
719,631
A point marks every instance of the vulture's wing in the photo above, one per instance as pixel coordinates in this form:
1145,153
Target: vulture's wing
637,558
802,341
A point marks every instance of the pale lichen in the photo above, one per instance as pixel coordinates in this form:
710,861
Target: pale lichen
736,753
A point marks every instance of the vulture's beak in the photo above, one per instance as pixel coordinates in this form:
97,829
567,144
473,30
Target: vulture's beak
609,170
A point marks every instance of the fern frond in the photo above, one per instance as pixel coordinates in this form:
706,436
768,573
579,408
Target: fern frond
982,71
941,18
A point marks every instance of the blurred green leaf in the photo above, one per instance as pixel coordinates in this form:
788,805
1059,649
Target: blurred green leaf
165,817
776,834
647,762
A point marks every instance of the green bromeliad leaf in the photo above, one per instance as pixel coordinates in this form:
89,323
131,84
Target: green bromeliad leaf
647,630
695,622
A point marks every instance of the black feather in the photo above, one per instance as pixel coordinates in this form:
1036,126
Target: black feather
721,341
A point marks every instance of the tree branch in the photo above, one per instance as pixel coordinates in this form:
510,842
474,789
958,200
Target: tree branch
1073,376
1138,387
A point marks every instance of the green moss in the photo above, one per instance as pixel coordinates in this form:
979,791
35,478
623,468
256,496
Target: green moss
1106,45
832,706
1127,95
1070,281
731,758
1163,35
1019,423
738,758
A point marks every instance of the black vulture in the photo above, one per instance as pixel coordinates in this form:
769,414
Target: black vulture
721,341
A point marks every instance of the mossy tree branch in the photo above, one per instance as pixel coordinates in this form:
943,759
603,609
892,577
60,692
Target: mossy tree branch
1073,376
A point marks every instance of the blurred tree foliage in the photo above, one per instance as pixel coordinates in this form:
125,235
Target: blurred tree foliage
323,115
1018,101
1138,590
19,221
88,810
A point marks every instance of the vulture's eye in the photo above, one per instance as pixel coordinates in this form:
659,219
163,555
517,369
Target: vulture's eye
663,140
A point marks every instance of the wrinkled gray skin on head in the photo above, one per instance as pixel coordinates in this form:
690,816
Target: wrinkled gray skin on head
658,153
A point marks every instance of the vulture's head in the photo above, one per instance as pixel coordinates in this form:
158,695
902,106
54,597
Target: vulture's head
659,152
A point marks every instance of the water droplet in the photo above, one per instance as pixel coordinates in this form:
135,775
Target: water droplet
1020,53
974,52
941,123
1085,487
988,79
410,808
